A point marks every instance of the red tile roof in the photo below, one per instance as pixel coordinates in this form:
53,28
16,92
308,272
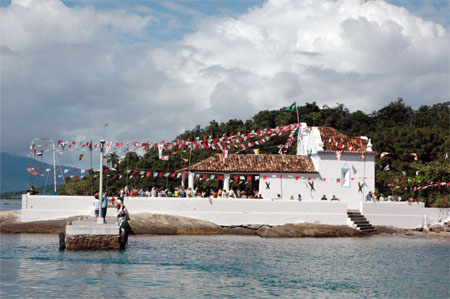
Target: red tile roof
333,141
241,163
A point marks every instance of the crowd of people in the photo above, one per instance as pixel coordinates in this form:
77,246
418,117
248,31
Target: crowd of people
181,191
374,197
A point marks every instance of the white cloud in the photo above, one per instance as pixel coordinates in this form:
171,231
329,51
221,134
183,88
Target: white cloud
66,71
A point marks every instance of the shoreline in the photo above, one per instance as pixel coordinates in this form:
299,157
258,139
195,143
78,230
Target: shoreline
158,224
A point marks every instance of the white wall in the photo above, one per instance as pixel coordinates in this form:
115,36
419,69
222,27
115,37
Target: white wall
402,214
325,182
42,207
244,211
218,210
224,211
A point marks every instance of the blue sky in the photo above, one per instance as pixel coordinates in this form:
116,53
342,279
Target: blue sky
153,69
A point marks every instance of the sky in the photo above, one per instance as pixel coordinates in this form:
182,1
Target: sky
153,69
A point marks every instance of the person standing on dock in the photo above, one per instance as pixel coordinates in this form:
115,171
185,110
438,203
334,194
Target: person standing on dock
104,205
96,204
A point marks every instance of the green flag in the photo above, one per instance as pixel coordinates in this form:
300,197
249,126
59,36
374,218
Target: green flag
293,107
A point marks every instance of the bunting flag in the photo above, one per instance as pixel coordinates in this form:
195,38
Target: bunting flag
165,158
415,156
160,150
386,168
225,154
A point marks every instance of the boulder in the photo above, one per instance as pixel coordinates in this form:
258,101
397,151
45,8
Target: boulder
308,230
437,228
147,223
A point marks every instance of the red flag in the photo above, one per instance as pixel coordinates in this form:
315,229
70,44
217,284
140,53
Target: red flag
173,175
147,175
236,179
249,178
309,179
265,177
296,178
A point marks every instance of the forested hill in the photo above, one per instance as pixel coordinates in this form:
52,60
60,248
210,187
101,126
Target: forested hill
396,128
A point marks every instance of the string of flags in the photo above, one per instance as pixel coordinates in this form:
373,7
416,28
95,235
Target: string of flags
135,174
239,142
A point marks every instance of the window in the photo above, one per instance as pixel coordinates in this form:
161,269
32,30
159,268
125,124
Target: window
345,177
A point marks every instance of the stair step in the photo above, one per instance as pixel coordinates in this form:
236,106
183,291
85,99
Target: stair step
360,221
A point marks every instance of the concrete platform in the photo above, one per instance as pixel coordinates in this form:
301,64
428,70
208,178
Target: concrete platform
89,226
87,234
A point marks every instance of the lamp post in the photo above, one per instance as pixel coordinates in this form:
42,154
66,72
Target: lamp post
100,189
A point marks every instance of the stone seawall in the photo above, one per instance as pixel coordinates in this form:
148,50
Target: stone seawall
85,242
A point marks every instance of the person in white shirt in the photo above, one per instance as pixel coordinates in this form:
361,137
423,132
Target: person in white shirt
96,204
231,193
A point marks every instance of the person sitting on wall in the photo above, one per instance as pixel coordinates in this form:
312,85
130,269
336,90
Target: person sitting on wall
231,193
292,197
31,191
299,197
334,198
374,197
224,193
369,196
324,197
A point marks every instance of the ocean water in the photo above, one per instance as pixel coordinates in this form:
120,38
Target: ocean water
10,204
227,267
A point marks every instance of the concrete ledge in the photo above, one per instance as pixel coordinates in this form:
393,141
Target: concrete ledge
86,242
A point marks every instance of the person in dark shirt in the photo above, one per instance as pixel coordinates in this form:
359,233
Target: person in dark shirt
324,197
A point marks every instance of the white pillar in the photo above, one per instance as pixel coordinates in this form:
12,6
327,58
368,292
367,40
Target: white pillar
100,191
191,180
226,181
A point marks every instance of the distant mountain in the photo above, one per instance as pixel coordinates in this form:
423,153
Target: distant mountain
15,177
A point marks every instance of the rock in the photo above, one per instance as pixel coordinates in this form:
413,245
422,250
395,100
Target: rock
307,230
437,228
9,223
146,223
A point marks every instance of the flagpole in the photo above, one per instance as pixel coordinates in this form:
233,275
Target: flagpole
54,166
91,172
39,182
296,110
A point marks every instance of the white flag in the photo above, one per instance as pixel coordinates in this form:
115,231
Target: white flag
160,150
